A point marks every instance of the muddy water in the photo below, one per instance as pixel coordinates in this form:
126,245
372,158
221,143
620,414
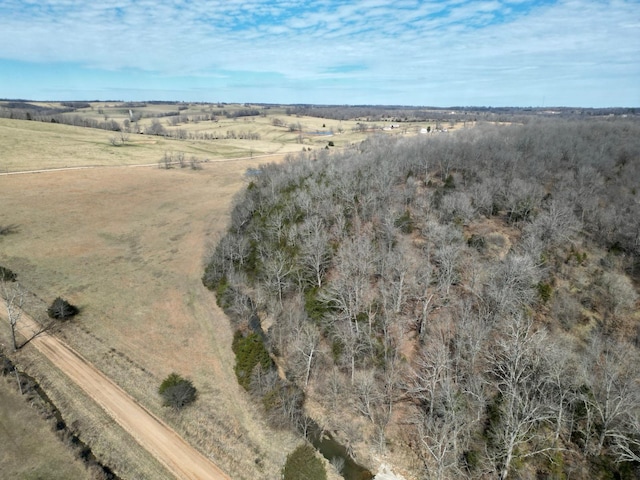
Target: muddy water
337,453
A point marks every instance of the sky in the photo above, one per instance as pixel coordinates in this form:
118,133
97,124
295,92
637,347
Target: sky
575,53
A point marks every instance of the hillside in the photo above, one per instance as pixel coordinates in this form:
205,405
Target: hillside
461,306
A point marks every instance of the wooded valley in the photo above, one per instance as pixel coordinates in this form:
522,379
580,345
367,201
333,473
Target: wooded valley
463,305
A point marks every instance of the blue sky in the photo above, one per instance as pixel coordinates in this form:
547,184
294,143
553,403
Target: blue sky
583,53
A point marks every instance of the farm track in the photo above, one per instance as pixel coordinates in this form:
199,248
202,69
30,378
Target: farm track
152,434
155,164
180,458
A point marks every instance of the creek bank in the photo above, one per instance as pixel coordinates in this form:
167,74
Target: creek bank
337,454
32,392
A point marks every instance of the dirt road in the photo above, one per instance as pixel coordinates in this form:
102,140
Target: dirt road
149,431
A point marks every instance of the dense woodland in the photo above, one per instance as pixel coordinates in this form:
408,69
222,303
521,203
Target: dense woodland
464,305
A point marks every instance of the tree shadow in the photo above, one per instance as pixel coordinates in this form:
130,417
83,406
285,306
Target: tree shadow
8,229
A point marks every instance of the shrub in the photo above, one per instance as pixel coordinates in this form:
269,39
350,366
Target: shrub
250,351
61,309
177,392
404,222
302,464
315,306
544,291
449,182
477,242
8,229
7,275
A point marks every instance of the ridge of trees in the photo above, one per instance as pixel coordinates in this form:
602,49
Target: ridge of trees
470,297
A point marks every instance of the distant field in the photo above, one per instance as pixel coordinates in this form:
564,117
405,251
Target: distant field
30,145
36,145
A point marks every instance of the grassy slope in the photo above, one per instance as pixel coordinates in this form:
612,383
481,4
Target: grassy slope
30,449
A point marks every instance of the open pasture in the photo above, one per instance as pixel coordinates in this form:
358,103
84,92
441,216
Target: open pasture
126,245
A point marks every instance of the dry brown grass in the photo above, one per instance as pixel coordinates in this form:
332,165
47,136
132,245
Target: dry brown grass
110,443
126,245
30,448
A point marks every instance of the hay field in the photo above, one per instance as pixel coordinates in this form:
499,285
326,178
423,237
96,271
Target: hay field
126,245
37,145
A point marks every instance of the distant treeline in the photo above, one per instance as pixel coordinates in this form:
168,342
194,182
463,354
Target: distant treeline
419,114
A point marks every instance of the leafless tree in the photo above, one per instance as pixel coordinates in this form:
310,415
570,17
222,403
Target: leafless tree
511,285
306,342
14,298
351,290
315,254
447,259
447,414
365,393
562,387
522,401
612,400
554,226
278,269
354,346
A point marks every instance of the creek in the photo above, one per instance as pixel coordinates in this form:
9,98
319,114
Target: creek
337,454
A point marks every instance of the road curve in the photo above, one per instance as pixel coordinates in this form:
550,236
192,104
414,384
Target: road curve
180,458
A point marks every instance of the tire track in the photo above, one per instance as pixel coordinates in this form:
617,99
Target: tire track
180,458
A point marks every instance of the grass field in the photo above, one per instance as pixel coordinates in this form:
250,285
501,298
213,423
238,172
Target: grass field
30,448
127,245
34,145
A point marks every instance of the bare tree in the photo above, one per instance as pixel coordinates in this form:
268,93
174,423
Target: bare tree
278,268
395,277
14,297
365,393
612,399
447,412
447,260
563,387
626,443
522,401
305,343
511,286
315,254
351,290
554,226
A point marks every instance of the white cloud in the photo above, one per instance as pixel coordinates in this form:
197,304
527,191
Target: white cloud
414,43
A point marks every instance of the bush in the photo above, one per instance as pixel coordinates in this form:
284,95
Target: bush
302,464
177,392
7,275
544,291
8,229
404,222
61,309
250,351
